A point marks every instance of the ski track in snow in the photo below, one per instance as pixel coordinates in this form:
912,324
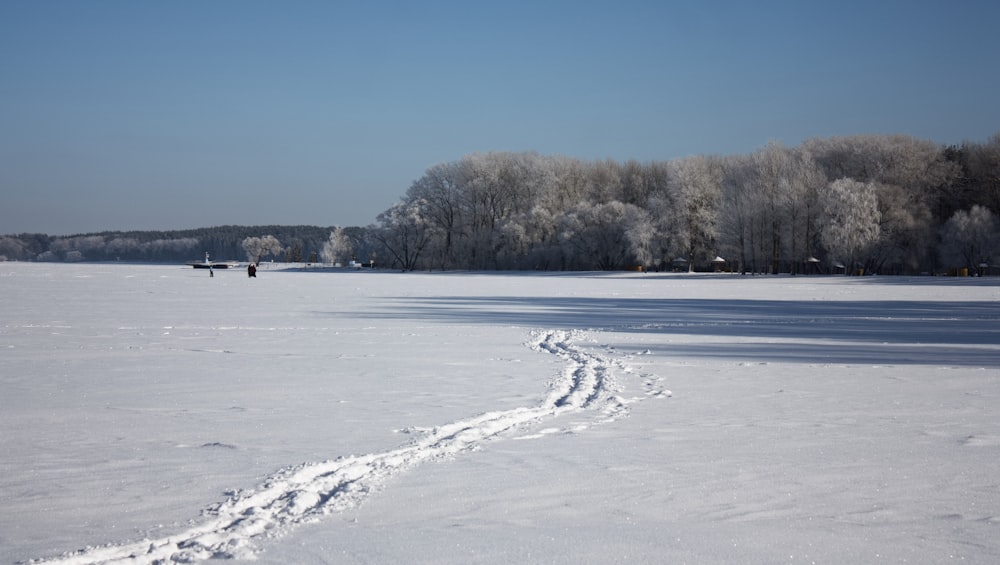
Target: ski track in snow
233,529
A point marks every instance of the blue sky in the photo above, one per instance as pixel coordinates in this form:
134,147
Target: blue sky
120,115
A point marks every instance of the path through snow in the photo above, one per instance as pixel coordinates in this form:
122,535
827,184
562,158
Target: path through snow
303,493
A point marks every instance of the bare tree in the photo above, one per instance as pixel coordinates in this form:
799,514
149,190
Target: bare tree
441,190
404,233
984,172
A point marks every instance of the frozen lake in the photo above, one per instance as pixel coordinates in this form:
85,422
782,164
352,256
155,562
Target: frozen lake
155,414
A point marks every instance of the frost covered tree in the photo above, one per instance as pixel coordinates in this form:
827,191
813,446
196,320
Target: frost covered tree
851,219
531,241
735,212
918,184
771,192
697,187
640,233
337,247
497,186
780,202
971,237
763,210
78,246
755,189
606,236
259,247
906,229
804,182
13,249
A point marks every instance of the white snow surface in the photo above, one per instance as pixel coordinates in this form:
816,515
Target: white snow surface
155,414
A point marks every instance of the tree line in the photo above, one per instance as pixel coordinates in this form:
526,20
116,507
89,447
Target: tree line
889,204
299,243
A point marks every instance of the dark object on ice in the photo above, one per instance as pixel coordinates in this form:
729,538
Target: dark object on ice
252,270
215,265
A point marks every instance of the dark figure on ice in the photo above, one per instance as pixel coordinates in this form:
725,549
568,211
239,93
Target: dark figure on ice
252,270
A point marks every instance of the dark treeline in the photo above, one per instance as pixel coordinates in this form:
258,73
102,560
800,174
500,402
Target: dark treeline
299,243
887,204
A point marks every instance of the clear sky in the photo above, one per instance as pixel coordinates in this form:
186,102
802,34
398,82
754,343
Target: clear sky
117,114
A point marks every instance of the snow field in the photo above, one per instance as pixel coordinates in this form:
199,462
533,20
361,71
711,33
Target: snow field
813,419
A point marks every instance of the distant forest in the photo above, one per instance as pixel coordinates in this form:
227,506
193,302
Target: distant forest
222,243
889,204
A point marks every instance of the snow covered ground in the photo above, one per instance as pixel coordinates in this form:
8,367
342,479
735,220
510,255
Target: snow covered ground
154,414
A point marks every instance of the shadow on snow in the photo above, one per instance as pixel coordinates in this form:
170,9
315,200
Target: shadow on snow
850,332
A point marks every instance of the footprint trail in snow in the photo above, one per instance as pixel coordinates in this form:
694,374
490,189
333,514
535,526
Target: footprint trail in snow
234,528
